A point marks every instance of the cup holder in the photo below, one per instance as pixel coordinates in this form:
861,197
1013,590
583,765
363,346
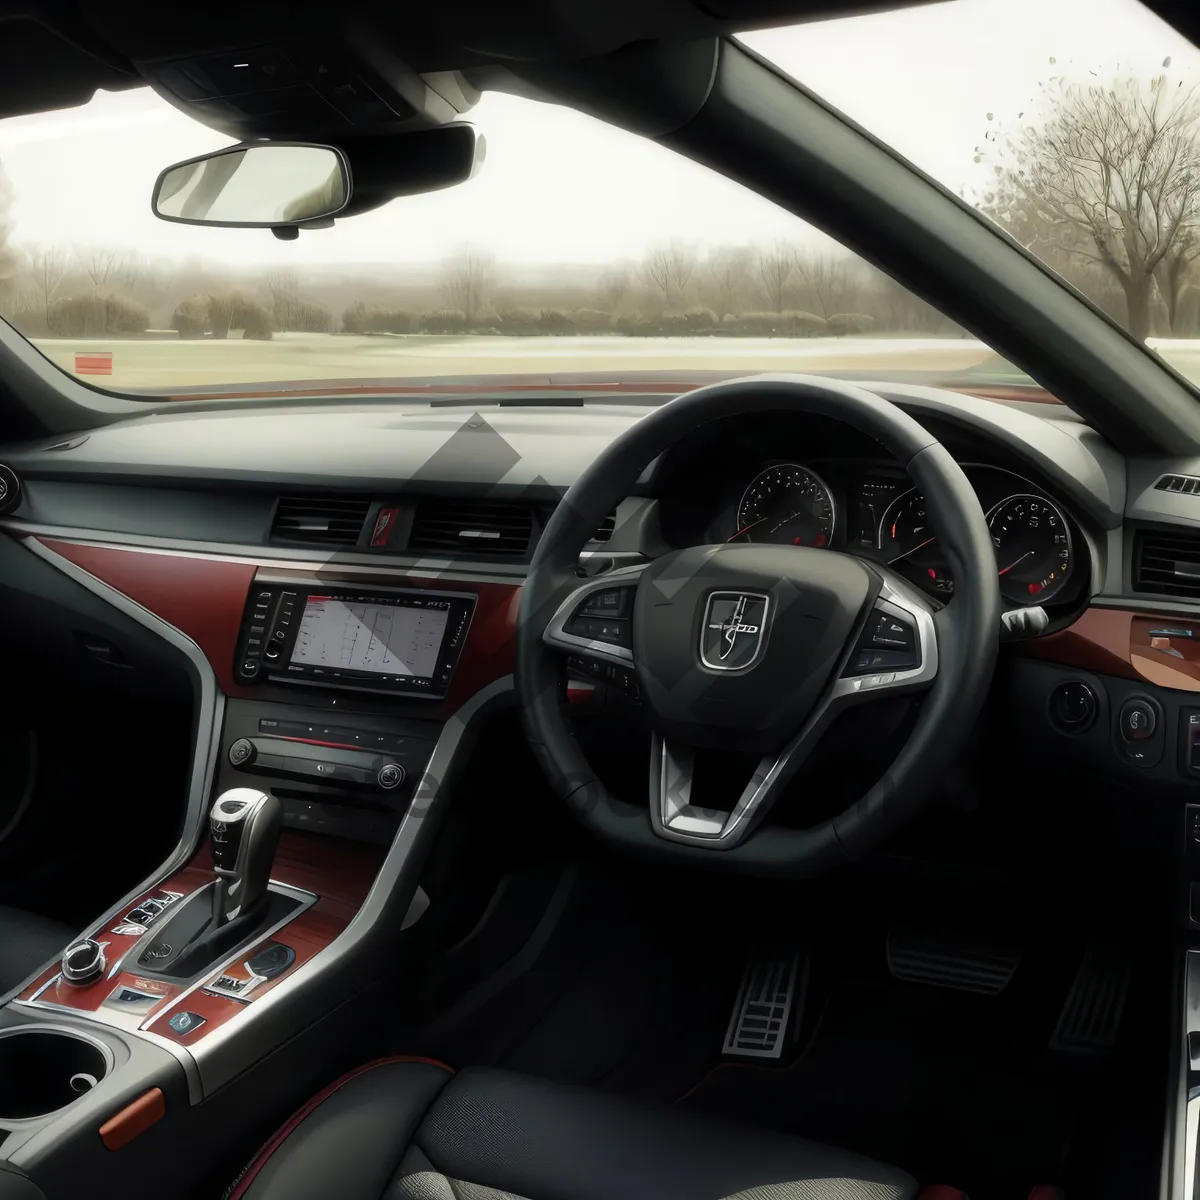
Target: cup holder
44,1069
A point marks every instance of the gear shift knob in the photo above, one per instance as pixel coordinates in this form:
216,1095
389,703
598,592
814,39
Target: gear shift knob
245,825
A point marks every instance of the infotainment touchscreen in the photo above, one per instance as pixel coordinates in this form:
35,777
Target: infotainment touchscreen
383,639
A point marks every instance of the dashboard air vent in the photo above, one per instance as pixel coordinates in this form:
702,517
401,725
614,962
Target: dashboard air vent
607,528
1166,563
1188,484
476,528
319,520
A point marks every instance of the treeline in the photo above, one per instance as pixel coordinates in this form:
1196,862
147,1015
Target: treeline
361,318
674,291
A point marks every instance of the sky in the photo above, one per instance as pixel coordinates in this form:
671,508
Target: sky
557,186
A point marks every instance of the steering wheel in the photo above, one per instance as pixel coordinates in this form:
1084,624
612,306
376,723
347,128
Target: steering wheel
756,647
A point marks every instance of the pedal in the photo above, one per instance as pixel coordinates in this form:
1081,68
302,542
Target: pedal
1091,1016
968,960
770,998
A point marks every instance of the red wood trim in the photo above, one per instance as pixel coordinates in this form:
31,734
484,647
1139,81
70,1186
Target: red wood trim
340,873
133,1119
1098,641
1116,641
204,597
285,1131
200,595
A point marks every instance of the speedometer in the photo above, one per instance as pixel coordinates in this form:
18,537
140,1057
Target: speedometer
787,504
1033,548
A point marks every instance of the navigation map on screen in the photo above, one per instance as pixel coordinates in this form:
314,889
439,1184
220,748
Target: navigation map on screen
384,639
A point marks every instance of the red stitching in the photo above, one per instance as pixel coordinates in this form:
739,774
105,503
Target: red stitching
289,1126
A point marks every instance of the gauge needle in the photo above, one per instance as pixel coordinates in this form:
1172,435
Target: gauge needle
1019,560
747,528
913,550
785,520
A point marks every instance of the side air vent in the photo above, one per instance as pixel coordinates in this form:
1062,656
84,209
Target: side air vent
319,520
607,528
1188,484
478,528
1166,563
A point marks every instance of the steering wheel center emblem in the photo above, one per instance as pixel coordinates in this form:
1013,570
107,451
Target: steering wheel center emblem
732,633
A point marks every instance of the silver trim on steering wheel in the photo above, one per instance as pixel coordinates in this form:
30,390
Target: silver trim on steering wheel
676,819
556,635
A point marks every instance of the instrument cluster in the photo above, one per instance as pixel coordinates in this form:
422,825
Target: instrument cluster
873,510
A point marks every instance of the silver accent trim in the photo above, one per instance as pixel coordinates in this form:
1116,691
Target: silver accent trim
209,714
282,558
1189,1147
674,818
556,636
734,625
327,962
96,961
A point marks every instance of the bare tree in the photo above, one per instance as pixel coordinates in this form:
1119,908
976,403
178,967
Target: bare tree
831,282
775,267
468,279
8,253
1109,175
47,269
283,286
729,269
669,268
615,284
99,264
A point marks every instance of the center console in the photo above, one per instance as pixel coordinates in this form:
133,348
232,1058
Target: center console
342,706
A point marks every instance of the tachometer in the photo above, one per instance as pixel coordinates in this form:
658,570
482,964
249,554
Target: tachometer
1033,548
908,542
787,504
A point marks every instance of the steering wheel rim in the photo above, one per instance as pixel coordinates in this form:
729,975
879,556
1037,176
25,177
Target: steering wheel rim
965,635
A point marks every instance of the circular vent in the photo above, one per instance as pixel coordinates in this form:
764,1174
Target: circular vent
10,490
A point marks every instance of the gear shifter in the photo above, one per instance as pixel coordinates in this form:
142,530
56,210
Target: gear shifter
245,827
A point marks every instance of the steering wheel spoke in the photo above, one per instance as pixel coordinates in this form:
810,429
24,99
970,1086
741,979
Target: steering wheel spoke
594,624
896,649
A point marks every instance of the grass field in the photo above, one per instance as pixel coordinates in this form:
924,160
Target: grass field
174,364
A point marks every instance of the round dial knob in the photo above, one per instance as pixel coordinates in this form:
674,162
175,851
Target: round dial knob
83,962
391,775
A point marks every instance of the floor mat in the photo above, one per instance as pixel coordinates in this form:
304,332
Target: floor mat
933,1079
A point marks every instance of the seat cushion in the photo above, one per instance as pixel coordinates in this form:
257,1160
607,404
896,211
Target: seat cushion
28,941
403,1129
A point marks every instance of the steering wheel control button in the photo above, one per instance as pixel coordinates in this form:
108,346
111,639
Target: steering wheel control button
885,632
391,775
241,752
1073,707
600,629
83,962
186,1022
1138,721
612,602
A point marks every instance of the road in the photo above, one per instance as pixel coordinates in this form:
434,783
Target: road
174,364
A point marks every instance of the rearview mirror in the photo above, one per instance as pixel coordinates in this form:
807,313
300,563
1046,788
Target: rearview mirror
260,185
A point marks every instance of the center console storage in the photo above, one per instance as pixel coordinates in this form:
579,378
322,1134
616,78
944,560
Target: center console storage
45,1069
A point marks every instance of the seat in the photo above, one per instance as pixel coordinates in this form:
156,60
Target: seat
27,941
412,1129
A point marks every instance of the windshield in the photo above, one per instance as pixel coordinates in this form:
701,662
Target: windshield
579,254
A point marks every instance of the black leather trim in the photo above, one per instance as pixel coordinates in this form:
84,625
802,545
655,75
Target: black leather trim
410,1131
534,1138
27,942
970,633
350,1145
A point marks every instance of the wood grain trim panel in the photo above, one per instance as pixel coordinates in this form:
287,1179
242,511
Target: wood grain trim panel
204,597
340,873
201,596
1130,645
